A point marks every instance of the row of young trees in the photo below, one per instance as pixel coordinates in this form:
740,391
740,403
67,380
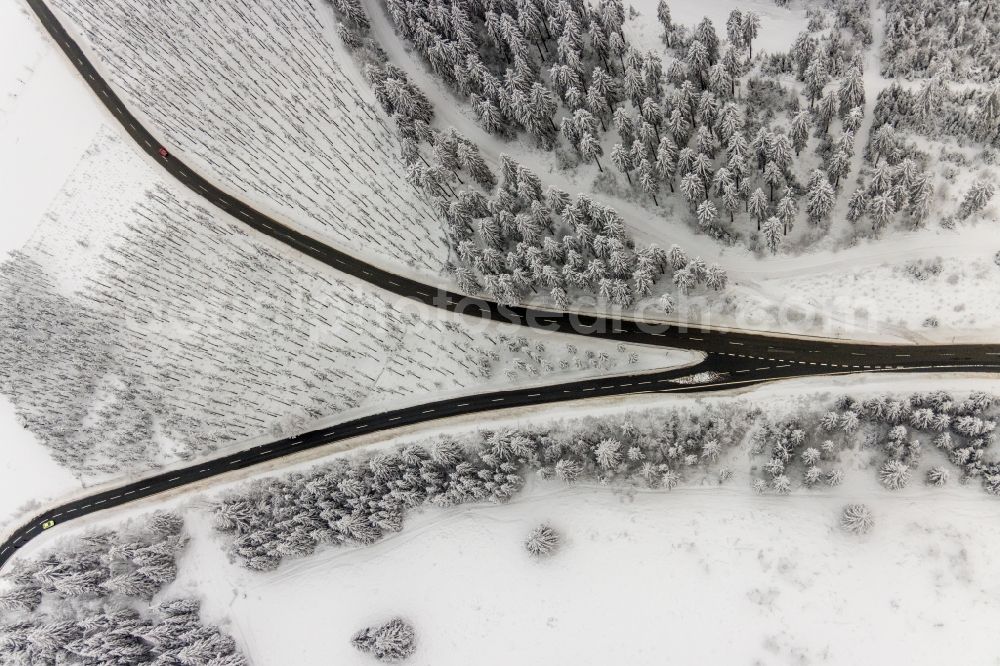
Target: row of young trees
215,339
294,133
357,502
88,602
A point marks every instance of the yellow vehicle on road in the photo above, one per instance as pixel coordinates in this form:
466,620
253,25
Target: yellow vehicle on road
47,524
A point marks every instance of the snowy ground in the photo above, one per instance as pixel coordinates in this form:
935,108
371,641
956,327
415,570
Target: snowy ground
702,574
48,119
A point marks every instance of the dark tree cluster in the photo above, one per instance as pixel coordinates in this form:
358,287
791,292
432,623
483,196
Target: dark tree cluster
671,124
169,633
358,502
514,58
856,16
805,450
136,562
897,185
934,109
77,604
941,37
523,239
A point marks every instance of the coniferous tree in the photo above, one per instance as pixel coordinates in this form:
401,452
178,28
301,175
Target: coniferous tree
820,197
851,91
800,130
976,198
771,230
757,206
751,27
591,149
648,179
787,211
663,16
880,209
707,214
622,159
735,30
731,201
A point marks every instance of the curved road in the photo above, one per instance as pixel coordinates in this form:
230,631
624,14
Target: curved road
740,358
656,382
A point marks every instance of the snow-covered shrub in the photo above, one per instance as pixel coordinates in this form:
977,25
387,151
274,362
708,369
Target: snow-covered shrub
393,641
360,501
835,477
857,519
894,474
781,484
938,476
542,541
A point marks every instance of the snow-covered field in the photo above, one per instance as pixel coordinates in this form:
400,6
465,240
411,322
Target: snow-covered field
48,119
224,374
701,574
294,133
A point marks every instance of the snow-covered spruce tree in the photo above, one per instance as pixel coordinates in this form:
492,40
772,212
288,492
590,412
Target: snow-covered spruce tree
857,519
542,541
390,642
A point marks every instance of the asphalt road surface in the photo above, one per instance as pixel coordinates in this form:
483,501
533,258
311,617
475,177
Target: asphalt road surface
739,358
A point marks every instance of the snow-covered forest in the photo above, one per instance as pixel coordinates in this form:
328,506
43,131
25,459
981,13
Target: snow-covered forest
90,601
187,333
744,146
930,37
361,501
522,240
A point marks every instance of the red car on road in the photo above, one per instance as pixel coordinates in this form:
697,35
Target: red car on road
163,152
